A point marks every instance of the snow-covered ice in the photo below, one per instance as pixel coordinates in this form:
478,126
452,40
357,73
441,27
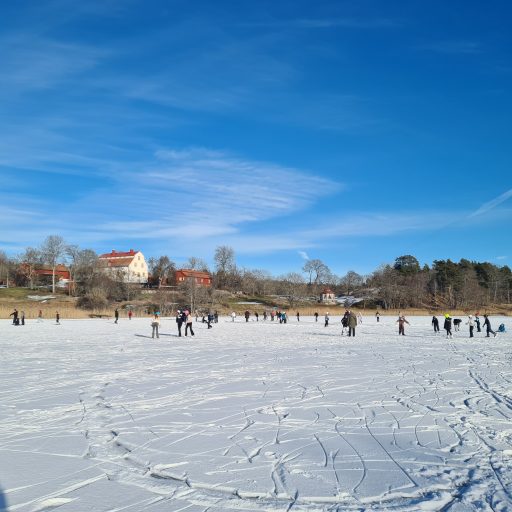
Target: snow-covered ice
254,416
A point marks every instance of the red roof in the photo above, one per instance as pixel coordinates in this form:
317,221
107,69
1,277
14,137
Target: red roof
115,254
193,273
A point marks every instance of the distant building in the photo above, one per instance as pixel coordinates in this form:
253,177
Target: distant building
131,266
62,274
199,277
327,296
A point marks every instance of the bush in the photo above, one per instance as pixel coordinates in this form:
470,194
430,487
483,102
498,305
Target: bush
95,299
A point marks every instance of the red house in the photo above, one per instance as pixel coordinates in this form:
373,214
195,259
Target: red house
61,272
198,276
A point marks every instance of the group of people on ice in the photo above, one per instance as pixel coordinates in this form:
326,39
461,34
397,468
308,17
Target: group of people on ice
472,322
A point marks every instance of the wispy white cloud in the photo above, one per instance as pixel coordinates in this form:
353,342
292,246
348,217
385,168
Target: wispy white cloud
501,257
303,255
453,47
490,205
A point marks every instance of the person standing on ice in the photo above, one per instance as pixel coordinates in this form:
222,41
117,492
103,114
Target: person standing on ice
116,316
316,316
471,324
188,324
377,316
256,314
435,323
247,315
155,324
448,325
265,315
326,318
233,316
130,313
401,325
477,323
298,316
488,328
40,316
179,320
352,323
14,315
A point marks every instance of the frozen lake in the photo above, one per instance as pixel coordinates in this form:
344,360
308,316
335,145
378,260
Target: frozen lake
254,416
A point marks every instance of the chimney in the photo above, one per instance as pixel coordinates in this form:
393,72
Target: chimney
132,251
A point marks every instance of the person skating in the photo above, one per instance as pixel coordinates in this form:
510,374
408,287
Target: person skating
179,320
344,322
352,323
456,323
477,323
155,324
210,320
471,324
247,316
487,325
435,323
377,316
316,316
188,324
256,314
265,315
14,315
401,325
130,313
216,317
298,316
448,325
326,318
116,316
57,317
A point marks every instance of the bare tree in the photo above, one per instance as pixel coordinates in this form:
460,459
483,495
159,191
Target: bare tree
194,263
28,264
293,286
225,265
83,265
52,250
317,271
160,269
5,268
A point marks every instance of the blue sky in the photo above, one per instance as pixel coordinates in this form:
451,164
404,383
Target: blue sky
352,132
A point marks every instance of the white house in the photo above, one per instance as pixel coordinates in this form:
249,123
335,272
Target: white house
327,296
130,265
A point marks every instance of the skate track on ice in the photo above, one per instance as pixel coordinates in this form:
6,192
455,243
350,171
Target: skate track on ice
254,416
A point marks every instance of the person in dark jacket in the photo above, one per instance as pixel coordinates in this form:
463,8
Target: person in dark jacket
116,316
435,323
179,320
487,325
14,315
247,315
326,318
316,316
401,325
477,323
448,326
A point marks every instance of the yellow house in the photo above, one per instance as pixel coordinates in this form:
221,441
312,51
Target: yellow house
131,266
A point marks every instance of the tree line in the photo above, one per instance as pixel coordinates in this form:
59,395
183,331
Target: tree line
402,284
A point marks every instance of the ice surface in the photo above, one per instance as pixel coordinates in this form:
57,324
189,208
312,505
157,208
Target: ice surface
254,416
